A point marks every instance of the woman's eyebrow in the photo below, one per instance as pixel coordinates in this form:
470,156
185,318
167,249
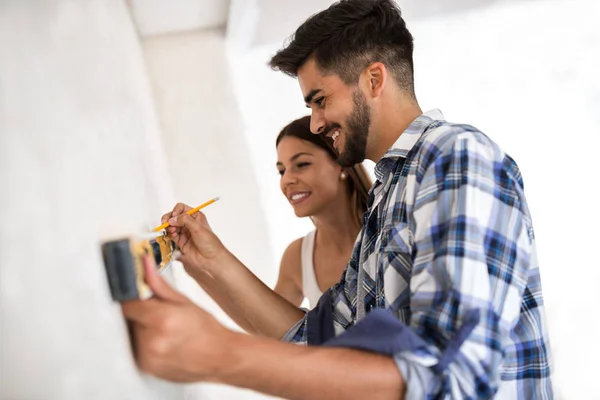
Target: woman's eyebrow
295,156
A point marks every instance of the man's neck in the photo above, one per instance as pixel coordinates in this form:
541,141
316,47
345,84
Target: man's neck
392,122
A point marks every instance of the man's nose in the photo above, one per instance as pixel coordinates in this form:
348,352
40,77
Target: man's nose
317,122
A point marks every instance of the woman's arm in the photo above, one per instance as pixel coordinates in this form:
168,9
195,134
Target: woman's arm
289,283
244,297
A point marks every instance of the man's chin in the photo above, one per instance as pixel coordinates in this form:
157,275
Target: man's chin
345,161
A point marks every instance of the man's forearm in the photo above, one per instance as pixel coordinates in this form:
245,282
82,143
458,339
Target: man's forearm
300,372
247,300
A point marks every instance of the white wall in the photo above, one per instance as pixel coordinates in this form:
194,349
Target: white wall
269,101
203,136
80,161
525,73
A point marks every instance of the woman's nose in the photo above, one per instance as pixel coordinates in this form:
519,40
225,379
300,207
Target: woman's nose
288,178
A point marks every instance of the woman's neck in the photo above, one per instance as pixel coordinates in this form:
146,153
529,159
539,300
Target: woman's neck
337,226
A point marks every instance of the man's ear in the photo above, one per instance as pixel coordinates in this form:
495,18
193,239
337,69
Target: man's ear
375,77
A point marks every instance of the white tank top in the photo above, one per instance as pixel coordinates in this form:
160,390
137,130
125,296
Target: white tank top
310,286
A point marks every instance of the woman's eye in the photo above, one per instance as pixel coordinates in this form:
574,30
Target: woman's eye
303,165
281,172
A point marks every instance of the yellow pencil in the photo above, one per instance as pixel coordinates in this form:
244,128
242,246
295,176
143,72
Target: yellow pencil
193,210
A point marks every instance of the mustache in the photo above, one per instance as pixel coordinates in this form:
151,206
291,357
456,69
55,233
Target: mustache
329,128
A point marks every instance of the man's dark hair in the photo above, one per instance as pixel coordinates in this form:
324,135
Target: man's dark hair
347,37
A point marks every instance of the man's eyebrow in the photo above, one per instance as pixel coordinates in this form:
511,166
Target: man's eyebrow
310,95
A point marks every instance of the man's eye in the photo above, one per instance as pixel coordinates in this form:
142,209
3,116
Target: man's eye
319,101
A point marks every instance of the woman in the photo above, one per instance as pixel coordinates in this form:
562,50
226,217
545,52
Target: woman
333,197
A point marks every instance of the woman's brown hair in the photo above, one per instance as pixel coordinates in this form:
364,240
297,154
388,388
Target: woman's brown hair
359,183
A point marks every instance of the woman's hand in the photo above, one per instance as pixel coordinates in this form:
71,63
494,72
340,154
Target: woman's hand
198,243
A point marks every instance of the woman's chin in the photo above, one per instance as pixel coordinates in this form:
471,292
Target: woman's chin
302,212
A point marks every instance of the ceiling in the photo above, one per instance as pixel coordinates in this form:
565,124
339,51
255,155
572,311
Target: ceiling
159,17
258,22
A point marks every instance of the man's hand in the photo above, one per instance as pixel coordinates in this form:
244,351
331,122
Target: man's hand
194,237
175,340
172,337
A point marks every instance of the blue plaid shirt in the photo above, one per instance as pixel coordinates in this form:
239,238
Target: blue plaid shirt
444,276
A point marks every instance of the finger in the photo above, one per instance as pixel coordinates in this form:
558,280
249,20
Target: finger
140,311
132,328
179,209
165,217
172,231
186,221
162,290
180,240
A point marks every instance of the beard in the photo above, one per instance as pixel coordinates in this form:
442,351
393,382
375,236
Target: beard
358,124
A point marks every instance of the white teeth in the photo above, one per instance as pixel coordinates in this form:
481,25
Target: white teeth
299,196
335,135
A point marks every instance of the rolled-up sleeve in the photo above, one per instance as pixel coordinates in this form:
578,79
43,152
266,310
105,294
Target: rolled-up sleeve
317,326
297,334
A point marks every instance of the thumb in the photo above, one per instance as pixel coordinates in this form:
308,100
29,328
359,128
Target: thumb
158,285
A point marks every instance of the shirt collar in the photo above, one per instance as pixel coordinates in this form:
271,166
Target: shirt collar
406,141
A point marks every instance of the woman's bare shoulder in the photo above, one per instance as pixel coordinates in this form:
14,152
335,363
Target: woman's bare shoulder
292,255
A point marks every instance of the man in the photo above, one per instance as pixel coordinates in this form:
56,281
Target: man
441,297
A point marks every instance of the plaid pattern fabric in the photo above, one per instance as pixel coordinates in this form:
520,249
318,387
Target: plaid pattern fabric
448,234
